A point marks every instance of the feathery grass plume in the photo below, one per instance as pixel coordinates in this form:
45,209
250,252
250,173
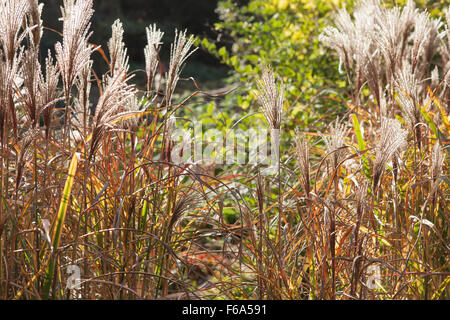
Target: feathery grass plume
180,50
49,93
426,38
302,152
134,105
12,16
347,34
74,52
372,72
368,62
32,77
335,143
391,139
365,66
393,27
271,100
83,84
151,50
340,39
34,19
419,36
366,59
365,14
354,44
184,202
365,54
271,97
117,51
116,93
408,89
9,81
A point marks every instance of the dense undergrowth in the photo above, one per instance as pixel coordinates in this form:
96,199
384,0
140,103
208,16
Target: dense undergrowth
94,205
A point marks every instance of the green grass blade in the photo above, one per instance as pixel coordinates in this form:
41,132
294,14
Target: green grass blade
59,225
361,144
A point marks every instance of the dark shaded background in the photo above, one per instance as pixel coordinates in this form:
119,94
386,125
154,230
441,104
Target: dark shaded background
197,16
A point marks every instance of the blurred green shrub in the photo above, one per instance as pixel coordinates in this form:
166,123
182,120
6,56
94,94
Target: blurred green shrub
283,34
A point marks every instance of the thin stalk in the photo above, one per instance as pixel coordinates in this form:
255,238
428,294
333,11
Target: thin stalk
67,119
6,188
280,214
333,236
260,193
35,213
2,214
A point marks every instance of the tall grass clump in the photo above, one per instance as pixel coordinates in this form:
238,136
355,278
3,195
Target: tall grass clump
86,183
93,205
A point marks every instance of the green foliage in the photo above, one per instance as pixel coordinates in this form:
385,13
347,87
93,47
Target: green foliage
284,35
